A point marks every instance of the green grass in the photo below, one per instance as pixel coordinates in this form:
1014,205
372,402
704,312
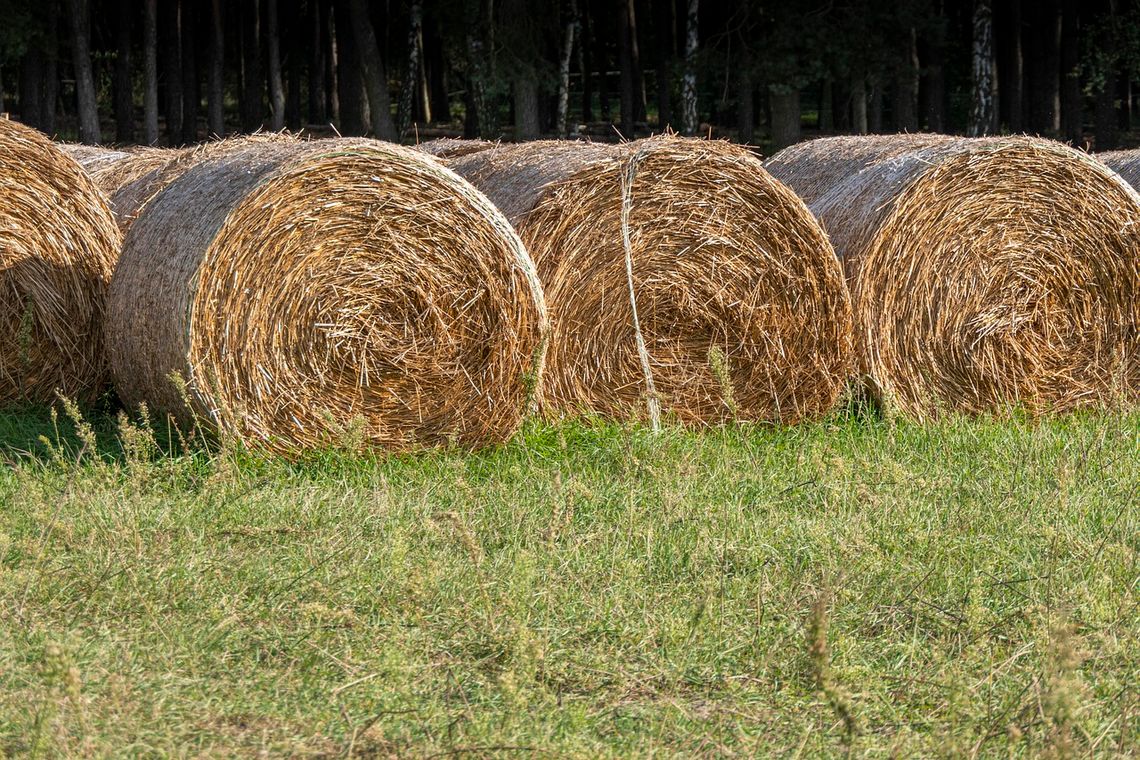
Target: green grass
859,585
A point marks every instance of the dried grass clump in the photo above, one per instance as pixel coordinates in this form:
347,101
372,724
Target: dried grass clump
992,273
452,147
57,245
312,293
1126,163
740,304
813,167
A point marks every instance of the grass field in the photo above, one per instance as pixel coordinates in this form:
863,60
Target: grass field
860,585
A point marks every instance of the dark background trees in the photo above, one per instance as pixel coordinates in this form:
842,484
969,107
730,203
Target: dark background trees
762,71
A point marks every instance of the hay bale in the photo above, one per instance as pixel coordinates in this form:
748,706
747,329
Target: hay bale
740,302
305,289
1126,163
992,273
121,173
57,245
142,178
451,147
813,167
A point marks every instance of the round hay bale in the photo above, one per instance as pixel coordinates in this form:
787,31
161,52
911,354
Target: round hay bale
740,302
58,243
310,291
452,147
117,172
813,167
1126,163
992,273
142,178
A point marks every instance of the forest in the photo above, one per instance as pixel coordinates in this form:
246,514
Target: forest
171,72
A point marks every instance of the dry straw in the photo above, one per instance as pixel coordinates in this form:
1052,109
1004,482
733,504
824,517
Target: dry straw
1126,163
740,302
452,147
57,245
312,292
813,167
120,173
989,274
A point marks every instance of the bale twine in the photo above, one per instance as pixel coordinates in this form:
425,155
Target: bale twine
57,245
992,273
1126,163
451,147
813,167
738,300
307,291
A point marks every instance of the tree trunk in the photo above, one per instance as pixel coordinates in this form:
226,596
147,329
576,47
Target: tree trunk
525,88
79,20
436,62
276,84
124,86
689,120
1106,116
332,61
826,109
859,104
1012,65
639,97
253,83
150,71
216,86
569,32
1071,121
982,111
585,63
785,104
932,86
51,68
191,92
1045,67
296,35
480,41
32,87
170,44
602,66
625,66
317,113
906,86
348,72
663,18
406,107
372,68
875,107
745,107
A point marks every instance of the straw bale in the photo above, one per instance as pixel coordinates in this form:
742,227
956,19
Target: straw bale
1126,163
57,246
992,273
813,167
309,290
452,147
739,298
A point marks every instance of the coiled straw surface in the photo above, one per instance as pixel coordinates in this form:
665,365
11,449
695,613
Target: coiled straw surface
57,246
304,290
1126,163
813,167
452,147
991,273
740,301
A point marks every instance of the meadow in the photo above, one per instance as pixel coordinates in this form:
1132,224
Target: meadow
863,585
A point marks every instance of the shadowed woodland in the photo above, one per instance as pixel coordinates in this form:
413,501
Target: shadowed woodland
770,73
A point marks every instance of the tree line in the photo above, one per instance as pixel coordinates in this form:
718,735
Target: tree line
761,71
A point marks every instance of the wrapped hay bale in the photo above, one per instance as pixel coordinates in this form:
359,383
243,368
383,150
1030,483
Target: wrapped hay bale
991,273
741,310
1126,163
452,147
813,167
57,246
305,291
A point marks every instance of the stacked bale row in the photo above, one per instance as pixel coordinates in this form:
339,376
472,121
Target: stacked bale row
985,274
304,293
